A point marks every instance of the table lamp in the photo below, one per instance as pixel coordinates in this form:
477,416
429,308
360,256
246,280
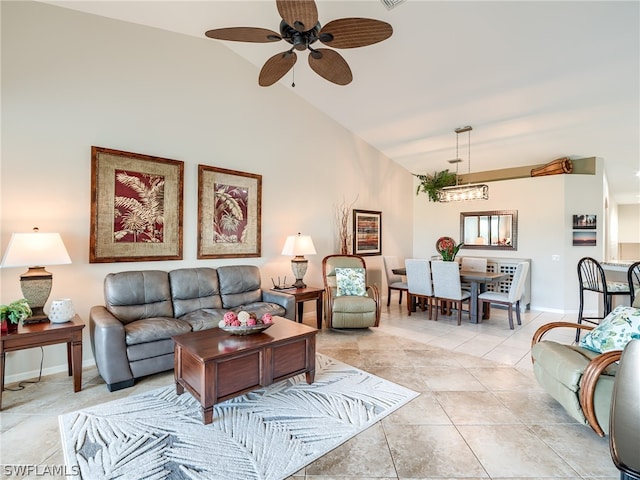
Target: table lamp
298,246
35,249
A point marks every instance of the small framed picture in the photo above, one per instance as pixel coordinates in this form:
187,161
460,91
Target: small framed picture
229,213
584,239
584,222
136,207
367,232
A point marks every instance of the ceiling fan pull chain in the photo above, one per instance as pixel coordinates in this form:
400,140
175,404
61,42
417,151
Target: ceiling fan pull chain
293,77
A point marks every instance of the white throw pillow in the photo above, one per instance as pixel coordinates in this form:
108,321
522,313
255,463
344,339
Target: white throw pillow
350,282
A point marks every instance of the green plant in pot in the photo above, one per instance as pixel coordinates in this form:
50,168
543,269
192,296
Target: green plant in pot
14,313
432,184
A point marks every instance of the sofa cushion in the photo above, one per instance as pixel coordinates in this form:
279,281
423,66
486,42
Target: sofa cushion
205,318
350,282
615,330
135,295
260,308
194,289
239,285
142,351
152,329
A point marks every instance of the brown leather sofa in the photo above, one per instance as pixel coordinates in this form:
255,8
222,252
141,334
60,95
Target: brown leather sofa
131,335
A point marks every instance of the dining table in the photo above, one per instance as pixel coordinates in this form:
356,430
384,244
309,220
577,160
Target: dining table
478,282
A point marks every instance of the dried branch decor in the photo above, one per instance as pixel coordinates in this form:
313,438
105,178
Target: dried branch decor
343,216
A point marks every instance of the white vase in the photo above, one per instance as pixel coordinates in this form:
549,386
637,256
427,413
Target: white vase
61,310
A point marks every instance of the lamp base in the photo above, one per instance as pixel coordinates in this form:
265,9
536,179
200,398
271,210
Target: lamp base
299,268
36,287
37,316
299,284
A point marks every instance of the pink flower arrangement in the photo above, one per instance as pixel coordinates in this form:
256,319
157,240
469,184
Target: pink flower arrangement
244,319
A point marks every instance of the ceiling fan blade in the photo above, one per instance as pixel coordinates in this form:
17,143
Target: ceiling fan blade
300,14
276,67
244,34
330,65
354,32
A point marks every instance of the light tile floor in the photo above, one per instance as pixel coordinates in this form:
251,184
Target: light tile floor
480,415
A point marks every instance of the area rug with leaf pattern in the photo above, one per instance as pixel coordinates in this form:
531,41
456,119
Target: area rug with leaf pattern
270,433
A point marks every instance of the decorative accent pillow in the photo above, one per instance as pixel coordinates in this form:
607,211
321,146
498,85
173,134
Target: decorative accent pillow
351,282
615,331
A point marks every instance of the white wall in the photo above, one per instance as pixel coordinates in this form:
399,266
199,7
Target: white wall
545,207
72,80
629,223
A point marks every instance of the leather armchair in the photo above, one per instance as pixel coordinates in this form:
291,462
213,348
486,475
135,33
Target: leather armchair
348,311
580,379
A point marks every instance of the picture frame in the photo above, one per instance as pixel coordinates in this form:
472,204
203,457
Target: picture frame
584,239
136,207
229,213
584,222
367,232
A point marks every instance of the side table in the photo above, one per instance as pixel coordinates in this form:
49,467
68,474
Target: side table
47,333
305,294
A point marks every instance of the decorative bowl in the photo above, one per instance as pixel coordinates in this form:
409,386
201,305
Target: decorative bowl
245,330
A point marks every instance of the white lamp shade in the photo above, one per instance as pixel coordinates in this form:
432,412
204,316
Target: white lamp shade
298,245
35,249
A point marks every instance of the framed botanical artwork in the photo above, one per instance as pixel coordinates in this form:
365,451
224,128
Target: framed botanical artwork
229,213
367,232
136,207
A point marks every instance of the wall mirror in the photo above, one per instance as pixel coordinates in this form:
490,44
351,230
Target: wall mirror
493,230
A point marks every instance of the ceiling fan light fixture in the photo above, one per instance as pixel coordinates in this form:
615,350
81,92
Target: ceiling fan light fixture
469,191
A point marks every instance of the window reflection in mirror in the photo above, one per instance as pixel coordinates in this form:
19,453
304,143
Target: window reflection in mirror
497,229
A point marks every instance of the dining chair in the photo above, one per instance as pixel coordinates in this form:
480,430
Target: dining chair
447,288
472,264
591,278
394,281
633,277
419,284
510,298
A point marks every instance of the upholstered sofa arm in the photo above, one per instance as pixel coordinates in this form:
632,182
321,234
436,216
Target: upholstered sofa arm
109,347
286,301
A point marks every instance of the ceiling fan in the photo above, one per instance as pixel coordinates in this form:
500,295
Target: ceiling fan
300,28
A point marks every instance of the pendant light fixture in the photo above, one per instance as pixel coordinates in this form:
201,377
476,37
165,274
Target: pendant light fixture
463,192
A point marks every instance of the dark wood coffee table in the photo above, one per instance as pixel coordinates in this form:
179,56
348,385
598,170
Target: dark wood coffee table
214,365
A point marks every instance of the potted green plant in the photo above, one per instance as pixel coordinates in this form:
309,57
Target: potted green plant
432,184
14,313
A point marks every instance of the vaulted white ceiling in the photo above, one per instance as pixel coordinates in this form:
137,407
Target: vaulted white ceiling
536,80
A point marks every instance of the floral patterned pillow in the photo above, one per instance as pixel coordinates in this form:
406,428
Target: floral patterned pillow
350,282
615,331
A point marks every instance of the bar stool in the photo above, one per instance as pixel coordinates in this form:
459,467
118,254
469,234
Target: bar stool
591,278
633,276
